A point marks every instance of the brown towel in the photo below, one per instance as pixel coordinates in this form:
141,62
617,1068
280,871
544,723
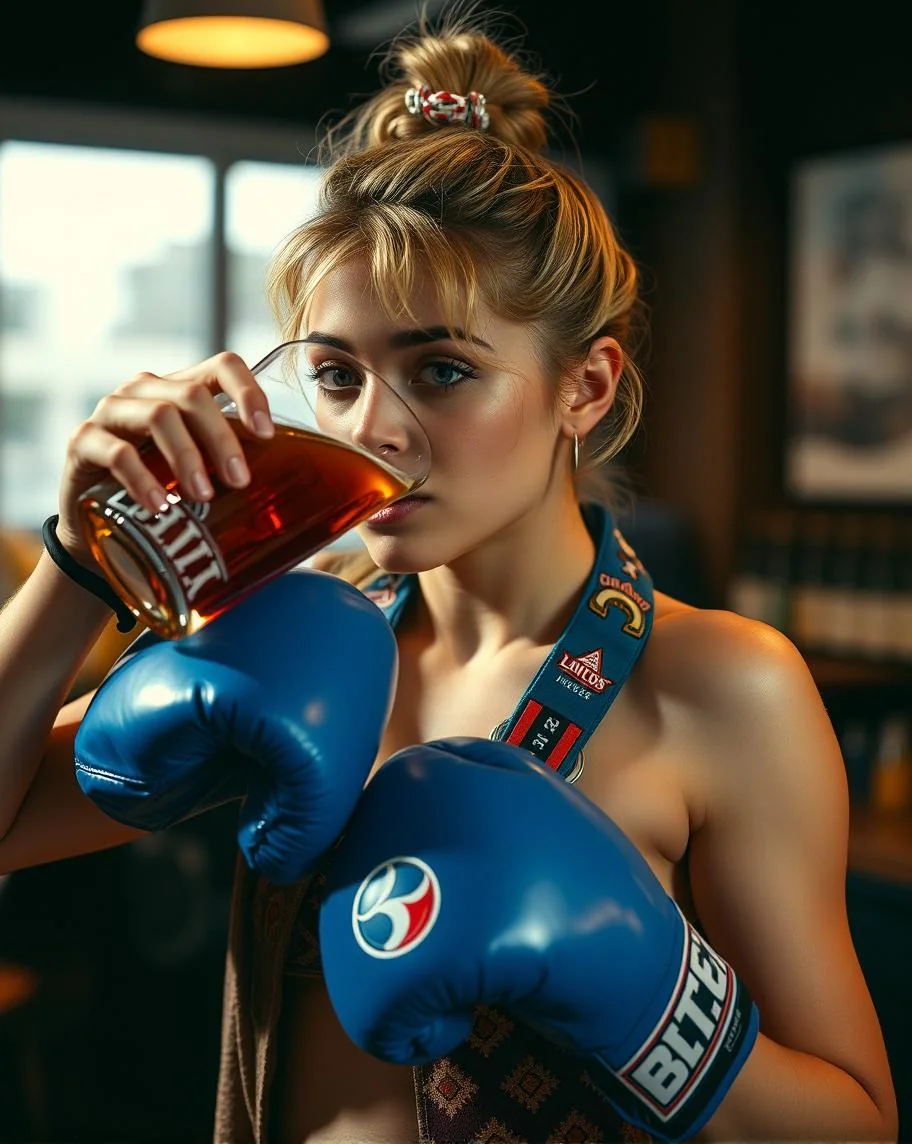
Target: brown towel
262,916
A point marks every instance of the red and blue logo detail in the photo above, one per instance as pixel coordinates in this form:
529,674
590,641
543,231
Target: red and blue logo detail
396,907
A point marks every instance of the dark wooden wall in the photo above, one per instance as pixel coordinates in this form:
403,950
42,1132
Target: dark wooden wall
761,86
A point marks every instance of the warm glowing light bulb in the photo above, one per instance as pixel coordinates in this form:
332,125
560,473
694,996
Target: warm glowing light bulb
232,41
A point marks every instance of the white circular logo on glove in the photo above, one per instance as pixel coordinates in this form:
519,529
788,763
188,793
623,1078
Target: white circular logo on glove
396,907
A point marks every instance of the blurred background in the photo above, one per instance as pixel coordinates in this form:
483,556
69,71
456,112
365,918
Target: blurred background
757,160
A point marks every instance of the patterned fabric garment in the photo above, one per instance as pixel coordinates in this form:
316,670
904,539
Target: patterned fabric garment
505,1085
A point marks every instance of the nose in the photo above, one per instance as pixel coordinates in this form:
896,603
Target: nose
382,423
379,420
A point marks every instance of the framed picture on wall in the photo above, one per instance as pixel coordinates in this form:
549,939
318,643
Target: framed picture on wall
849,430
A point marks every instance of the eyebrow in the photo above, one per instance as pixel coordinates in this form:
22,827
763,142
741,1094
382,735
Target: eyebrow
402,339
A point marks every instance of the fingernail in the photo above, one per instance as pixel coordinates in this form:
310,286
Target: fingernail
262,424
199,482
237,471
158,499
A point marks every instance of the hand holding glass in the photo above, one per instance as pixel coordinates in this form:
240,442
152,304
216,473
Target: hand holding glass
346,445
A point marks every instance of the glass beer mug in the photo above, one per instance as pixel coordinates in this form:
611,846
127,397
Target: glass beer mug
345,446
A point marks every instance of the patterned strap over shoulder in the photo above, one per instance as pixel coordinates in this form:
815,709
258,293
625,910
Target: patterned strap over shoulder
586,668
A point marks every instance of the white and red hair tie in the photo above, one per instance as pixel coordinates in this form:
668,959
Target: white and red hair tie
444,108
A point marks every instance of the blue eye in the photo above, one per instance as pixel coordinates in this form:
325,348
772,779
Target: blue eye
446,375
335,375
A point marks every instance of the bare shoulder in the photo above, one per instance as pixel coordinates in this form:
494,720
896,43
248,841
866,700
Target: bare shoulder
753,711
721,657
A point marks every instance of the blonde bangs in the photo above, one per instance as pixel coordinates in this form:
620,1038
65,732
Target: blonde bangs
400,246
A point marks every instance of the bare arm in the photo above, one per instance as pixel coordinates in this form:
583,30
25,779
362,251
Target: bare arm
46,631
768,868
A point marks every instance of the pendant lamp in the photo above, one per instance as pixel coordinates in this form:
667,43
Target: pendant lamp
233,33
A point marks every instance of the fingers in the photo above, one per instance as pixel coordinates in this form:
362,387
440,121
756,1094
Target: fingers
183,421
227,373
98,451
180,415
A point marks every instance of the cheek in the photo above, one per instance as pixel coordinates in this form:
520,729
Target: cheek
478,435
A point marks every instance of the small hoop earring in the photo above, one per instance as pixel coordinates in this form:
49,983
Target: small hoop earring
576,453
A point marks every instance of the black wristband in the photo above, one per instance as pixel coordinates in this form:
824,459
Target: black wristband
93,583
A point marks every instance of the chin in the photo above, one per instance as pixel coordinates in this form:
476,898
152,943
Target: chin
401,557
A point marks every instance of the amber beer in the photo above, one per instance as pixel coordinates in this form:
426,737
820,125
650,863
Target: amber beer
180,568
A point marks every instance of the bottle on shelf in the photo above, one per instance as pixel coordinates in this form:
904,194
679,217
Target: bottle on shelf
779,566
876,589
891,778
899,627
761,586
858,744
838,583
841,619
810,583
750,592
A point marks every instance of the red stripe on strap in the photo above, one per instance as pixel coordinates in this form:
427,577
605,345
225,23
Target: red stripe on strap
524,722
562,746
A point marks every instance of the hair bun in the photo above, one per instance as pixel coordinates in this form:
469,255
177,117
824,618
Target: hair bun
455,74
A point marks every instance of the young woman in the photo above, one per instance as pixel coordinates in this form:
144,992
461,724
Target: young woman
484,281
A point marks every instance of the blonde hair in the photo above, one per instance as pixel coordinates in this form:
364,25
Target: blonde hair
497,219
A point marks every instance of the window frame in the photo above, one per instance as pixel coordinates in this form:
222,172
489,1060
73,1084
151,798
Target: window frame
222,141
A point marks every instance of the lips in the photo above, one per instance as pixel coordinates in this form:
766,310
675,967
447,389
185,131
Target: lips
397,511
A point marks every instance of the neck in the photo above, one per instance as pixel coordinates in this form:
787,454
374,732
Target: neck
519,587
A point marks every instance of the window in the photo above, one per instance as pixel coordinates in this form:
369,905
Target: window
264,202
126,243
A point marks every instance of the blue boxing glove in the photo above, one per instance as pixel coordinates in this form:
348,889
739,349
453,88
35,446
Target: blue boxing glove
470,874
281,701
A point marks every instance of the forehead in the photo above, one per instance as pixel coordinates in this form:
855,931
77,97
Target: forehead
350,293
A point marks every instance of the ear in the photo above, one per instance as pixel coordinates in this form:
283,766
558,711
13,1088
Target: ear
590,389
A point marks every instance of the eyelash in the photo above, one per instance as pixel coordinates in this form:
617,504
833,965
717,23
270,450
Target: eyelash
464,371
